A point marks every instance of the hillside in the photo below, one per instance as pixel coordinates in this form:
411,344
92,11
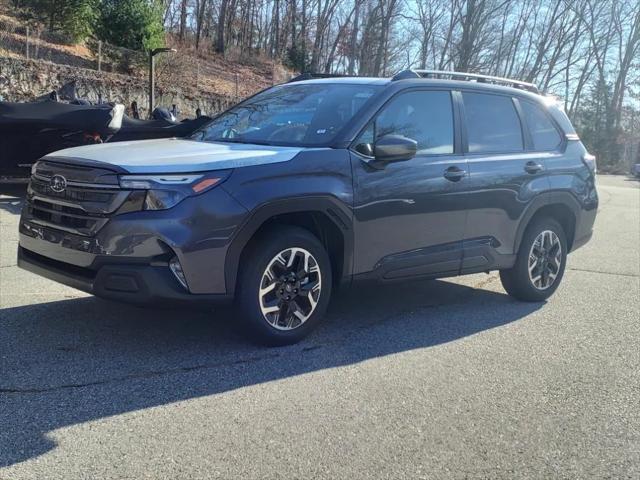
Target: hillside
185,73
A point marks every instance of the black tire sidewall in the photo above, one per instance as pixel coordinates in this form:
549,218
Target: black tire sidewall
254,262
516,280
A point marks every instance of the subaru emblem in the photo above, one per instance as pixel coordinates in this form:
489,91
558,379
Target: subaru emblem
58,183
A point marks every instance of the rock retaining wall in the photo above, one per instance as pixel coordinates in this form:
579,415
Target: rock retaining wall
23,80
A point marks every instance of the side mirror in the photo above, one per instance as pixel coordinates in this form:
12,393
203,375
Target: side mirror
394,148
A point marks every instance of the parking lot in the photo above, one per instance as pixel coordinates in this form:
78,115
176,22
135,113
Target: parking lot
435,379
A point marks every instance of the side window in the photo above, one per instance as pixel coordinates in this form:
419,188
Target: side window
424,116
493,124
544,134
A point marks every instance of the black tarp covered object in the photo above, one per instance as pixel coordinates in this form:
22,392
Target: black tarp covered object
28,131
48,114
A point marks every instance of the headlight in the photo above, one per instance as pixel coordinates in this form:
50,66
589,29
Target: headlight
162,199
166,191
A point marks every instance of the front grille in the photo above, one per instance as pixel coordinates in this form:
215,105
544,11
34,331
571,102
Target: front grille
77,173
67,217
81,208
42,187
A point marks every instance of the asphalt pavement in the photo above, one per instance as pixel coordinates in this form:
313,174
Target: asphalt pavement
437,379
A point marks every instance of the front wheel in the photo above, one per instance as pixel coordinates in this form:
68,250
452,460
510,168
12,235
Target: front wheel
284,286
540,263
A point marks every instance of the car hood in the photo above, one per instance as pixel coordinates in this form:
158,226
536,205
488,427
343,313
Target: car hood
174,155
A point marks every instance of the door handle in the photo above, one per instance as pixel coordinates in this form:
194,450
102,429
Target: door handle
454,174
533,167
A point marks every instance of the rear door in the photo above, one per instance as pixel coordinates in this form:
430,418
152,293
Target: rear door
409,216
505,174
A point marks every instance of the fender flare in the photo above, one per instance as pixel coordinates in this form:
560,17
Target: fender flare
541,201
333,208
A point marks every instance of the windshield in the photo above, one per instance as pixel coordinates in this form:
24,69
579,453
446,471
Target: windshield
302,115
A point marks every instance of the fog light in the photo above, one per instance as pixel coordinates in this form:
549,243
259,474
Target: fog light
176,268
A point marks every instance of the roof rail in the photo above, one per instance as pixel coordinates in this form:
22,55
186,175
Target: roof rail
473,77
311,76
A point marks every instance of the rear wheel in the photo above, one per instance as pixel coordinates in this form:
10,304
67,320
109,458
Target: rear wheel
284,286
540,262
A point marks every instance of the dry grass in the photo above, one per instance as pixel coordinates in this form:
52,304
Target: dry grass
203,71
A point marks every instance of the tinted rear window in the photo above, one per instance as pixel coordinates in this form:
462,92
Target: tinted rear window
544,134
493,124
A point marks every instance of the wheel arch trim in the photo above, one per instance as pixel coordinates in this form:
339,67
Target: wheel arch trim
331,207
538,203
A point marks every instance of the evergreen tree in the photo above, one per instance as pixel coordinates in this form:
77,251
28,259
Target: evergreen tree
73,18
133,24
594,122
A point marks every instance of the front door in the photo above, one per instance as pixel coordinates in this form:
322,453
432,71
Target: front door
409,216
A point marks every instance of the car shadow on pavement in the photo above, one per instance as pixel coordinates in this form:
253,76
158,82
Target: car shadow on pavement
72,361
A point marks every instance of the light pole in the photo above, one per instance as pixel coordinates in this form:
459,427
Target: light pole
152,76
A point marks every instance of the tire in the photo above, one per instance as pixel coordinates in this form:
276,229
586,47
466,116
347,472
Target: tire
286,326
518,282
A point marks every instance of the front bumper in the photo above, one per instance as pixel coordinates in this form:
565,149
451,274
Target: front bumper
128,258
135,284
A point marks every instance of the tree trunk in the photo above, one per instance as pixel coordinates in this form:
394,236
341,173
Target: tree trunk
303,34
353,44
183,20
221,23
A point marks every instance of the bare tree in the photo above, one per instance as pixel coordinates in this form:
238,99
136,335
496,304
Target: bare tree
587,51
183,19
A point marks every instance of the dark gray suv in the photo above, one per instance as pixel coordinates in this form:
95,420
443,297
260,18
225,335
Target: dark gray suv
320,183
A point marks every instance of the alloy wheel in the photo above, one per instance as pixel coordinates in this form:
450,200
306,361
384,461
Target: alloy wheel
545,260
290,288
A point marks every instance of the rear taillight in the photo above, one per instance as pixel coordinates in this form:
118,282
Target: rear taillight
590,161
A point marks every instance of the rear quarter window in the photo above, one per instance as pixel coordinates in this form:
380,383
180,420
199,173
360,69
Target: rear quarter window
544,134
